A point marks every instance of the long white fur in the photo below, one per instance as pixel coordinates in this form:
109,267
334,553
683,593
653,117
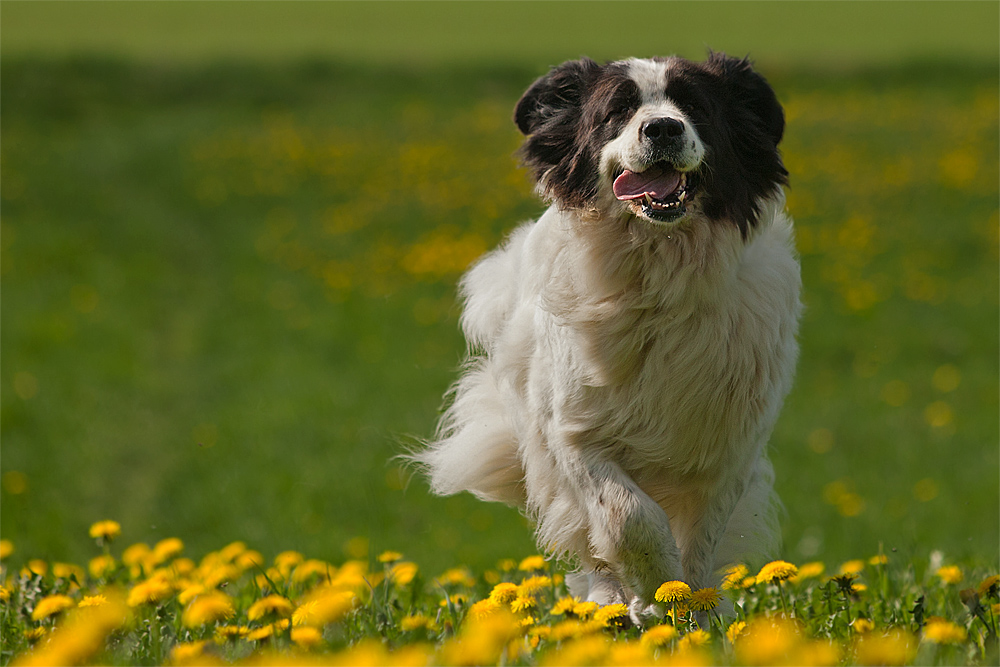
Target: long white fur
623,382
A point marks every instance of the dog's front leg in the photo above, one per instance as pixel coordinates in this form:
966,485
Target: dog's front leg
630,533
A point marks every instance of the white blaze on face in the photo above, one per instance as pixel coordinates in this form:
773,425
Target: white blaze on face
628,150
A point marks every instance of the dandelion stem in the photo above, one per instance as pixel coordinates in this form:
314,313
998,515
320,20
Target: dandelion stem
781,594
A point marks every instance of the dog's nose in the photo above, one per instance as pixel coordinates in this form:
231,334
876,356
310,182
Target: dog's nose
663,131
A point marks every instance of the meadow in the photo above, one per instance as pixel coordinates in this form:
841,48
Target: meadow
229,303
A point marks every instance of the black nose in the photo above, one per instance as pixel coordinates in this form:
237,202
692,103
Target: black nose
663,131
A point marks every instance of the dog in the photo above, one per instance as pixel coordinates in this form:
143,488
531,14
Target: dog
630,350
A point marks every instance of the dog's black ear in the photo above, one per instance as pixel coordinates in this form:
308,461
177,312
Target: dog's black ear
749,90
552,95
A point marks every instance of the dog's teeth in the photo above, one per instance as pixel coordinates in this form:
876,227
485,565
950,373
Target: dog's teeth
649,200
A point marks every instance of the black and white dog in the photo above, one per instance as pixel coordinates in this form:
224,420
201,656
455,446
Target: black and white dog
630,350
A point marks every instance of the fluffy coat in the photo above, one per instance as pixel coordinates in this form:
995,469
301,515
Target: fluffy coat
629,357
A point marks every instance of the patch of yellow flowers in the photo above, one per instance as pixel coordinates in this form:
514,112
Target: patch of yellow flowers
155,605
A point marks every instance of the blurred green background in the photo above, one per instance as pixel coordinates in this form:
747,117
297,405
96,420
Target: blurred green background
231,234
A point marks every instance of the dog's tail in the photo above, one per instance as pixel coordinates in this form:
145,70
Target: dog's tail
475,448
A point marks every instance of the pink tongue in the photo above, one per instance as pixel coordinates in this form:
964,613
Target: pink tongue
657,182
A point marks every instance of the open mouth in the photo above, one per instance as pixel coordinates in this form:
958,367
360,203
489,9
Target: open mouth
658,193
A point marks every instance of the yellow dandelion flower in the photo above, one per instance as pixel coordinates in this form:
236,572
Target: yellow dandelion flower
564,606
232,550
324,606
286,561
523,603
208,608
101,566
274,605
458,576
504,593
625,653
415,622
990,586
187,651
852,567
862,626
67,571
894,647
249,559
403,573
507,565
881,559
704,599
767,641
34,634
305,613
35,567
694,639
734,576
136,553
533,584
587,650
941,631
484,608
218,575
568,629
105,530
230,632
950,574
307,637
585,609
672,591
4,594
776,571
736,629
51,605
92,601
610,612
260,634
817,653
81,636
191,592
389,557
150,591
6,548
166,549
533,564
309,569
658,636
809,571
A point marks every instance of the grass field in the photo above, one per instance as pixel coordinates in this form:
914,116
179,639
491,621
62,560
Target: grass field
229,288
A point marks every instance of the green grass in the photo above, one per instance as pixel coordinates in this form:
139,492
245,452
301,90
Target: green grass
420,34
158,606
228,303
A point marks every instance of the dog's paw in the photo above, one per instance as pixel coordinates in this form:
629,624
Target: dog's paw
644,614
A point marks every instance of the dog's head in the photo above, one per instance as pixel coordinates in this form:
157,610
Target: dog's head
663,139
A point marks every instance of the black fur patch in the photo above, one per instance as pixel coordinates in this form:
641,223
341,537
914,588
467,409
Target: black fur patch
570,114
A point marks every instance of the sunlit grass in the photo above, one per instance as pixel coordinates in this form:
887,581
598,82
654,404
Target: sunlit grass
155,605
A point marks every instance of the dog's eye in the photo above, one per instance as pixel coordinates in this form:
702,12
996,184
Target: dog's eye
622,109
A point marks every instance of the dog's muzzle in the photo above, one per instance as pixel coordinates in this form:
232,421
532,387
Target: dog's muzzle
659,192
